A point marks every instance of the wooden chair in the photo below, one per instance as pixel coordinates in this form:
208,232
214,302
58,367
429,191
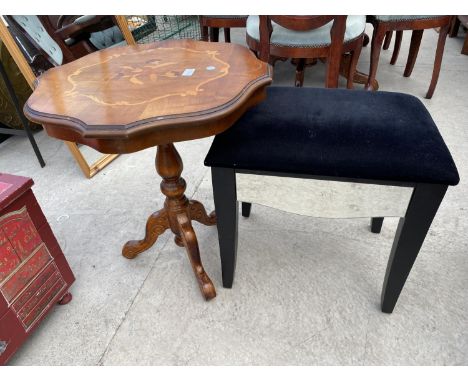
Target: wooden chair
457,20
307,38
210,26
82,34
327,153
383,25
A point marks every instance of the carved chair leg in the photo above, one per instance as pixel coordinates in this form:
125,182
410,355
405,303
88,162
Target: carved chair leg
227,34
409,238
376,46
157,223
191,245
396,48
416,37
376,225
388,40
227,210
246,207
438,60
198,213
300,68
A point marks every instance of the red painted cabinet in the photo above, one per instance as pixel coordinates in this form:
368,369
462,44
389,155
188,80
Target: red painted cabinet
34,274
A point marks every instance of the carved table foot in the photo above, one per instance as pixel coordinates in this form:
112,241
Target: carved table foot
191,245
198,213
65,299
155,226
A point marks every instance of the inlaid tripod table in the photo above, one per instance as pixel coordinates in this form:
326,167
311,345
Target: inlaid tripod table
125,99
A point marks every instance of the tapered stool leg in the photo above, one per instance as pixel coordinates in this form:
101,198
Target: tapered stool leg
409,238
376,225
246,207
227,212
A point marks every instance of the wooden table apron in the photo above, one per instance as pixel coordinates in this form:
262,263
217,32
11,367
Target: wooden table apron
125,99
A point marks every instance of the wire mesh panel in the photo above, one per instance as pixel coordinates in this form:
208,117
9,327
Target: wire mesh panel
147,28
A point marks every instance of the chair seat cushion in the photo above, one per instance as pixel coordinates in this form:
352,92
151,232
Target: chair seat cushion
107,38
390,18
337,133
280,36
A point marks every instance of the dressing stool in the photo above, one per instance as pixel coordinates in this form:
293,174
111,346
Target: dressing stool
303,149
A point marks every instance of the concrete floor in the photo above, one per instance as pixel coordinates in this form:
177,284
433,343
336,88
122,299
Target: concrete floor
307,290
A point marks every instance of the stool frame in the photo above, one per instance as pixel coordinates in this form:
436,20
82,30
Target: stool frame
410,234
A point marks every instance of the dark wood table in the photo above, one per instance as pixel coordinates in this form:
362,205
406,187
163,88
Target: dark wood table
126,99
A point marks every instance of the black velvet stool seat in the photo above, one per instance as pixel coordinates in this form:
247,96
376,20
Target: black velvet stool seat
335,136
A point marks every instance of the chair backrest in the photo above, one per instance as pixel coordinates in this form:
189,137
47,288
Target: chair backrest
307,23
83,34
31,29
49,41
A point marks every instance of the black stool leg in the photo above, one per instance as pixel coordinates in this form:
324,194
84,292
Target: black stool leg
227,212
409,238
246,207
376,225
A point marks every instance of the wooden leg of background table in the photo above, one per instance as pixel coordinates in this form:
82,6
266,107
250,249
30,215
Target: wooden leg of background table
359,77
155,226
191,245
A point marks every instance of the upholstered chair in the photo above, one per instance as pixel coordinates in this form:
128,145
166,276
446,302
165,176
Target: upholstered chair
307,38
